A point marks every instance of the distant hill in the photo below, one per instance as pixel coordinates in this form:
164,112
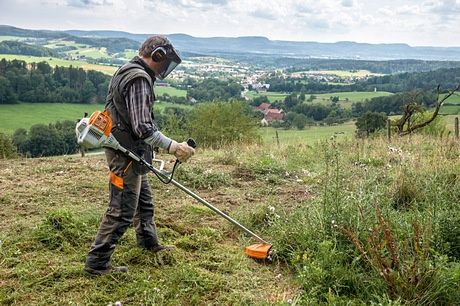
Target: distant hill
249,47
257,45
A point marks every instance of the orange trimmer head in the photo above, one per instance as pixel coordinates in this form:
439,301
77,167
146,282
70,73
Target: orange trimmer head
259,251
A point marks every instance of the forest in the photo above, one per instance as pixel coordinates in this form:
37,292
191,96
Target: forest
39,82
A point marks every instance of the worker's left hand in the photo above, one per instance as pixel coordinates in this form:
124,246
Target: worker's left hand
182,151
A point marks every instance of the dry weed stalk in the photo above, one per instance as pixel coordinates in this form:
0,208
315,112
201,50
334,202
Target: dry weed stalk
401,263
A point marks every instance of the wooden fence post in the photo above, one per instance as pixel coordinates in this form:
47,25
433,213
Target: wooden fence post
389,130
456,128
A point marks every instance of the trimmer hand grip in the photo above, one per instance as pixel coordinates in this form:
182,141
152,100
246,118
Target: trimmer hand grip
191,142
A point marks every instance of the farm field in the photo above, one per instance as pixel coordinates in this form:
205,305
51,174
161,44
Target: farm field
453,107
272,96
89,52
345,98
342,73
56,43
16,38
309,135
450,110
24,115
52,61
160,90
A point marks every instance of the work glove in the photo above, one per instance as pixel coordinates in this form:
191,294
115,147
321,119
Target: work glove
182,151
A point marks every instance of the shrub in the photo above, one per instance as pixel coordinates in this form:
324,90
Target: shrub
219,124
7,149
47,140
370,122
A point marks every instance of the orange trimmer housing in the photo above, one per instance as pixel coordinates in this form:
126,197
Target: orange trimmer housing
102,121
259,251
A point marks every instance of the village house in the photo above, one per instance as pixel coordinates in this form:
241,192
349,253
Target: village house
271,114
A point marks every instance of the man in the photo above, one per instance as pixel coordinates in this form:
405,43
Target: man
129,103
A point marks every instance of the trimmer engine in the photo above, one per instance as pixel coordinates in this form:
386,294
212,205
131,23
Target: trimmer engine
94,132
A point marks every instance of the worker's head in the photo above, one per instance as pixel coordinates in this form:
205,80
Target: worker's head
158,52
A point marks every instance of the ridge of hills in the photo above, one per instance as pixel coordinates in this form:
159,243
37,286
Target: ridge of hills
250,45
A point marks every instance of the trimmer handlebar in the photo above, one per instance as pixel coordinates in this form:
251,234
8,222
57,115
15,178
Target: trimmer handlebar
191,142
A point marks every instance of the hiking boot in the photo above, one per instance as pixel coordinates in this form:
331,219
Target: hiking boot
160,248
96,272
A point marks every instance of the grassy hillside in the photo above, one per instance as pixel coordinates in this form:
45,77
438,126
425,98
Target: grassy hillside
45,242
24,115
52,61
353,223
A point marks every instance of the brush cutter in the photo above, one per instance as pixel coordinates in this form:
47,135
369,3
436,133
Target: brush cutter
95,132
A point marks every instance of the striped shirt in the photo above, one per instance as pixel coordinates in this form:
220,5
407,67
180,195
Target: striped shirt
139,102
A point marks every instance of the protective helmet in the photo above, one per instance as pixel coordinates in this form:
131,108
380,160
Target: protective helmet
167,57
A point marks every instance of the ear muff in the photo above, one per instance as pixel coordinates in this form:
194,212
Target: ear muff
158,54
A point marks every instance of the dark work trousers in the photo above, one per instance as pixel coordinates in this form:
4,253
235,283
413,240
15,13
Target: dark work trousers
130,202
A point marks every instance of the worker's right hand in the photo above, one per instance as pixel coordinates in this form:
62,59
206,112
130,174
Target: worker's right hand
182,151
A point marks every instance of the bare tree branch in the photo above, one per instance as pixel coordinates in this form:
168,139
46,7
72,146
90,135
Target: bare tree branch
413,107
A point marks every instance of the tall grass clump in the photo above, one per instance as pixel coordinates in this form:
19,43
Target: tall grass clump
376,232
64,227
201,178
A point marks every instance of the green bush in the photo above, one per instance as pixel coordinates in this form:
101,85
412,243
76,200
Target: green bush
221,124
370,122
7,149
47,140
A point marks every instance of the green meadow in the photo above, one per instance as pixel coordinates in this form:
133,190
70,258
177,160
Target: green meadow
160,90
24,115
345,98
309,135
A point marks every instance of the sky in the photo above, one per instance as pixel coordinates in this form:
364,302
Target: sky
414,22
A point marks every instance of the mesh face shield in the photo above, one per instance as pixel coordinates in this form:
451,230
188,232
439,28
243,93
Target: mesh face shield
167,65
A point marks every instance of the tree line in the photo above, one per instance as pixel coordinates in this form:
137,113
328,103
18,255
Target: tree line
395,83
39,82
16,47
46,139
383,67
213,89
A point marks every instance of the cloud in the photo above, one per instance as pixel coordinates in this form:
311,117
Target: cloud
442,7
190,4
263,14
88,3
348,3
